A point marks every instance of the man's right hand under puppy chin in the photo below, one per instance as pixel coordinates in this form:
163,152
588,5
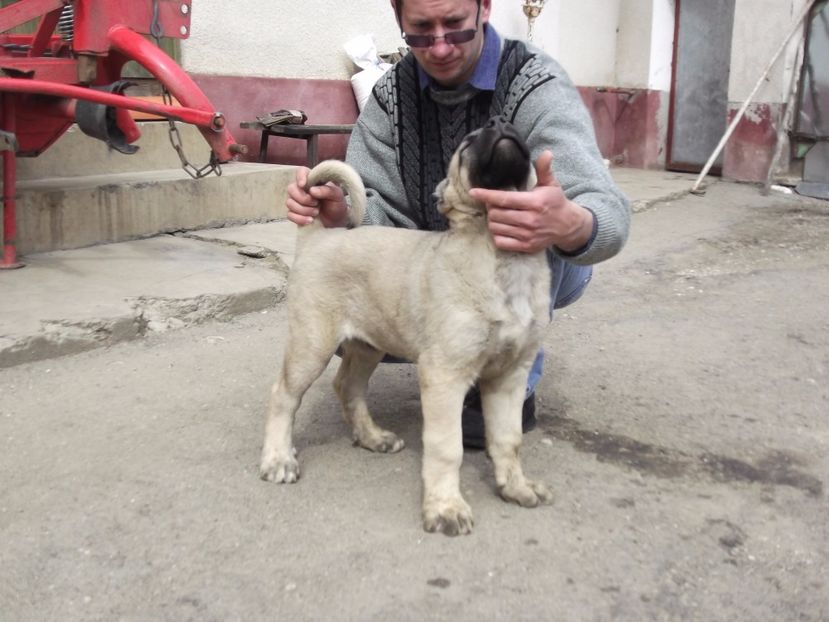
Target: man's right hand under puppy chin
324,202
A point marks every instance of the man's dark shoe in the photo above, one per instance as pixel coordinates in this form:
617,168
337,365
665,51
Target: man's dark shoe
472,419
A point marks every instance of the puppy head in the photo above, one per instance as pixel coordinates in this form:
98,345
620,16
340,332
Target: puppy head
494,156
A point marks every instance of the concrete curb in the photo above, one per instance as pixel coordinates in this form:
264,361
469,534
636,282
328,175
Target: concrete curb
68,302
150,315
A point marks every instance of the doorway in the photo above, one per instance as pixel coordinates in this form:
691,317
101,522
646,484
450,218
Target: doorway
698,113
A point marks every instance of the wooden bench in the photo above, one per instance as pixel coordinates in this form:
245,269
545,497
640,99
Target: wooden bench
309,133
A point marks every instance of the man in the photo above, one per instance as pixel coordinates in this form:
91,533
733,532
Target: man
458,74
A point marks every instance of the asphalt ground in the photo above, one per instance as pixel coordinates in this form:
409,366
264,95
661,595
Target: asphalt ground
682,429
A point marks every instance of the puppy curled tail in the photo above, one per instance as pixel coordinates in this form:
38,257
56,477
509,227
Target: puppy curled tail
346,178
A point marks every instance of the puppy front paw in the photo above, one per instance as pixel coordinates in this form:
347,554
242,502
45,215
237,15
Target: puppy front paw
282,470
526,493
451,517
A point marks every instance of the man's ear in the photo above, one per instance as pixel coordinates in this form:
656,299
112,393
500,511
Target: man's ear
486,7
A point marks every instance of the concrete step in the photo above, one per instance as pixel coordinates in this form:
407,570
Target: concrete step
79,193
62,213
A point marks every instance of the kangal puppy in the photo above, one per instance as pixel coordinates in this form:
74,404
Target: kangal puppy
449,301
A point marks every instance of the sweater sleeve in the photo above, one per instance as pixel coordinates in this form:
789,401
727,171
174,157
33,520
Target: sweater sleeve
371,152
554,117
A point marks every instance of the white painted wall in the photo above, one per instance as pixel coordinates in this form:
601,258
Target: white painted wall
588,40
760,27
625,43
282,39
633,51
662,45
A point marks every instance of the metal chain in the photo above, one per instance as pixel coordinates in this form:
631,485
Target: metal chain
213,165
155,26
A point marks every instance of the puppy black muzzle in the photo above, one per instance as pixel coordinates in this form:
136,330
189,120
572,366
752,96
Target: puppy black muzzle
498,156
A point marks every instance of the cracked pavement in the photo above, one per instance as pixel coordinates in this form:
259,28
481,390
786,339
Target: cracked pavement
682,429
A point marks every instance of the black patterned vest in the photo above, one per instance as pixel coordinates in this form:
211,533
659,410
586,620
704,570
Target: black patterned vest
427,132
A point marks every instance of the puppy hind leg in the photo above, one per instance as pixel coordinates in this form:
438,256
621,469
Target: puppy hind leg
359,360
444,508
502,400
302,365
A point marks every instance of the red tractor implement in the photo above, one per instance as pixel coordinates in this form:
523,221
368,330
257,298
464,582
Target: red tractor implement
69,71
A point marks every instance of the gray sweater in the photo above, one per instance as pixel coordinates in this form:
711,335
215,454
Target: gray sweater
405,136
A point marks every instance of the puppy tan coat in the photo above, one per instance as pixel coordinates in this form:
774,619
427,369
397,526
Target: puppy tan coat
449,301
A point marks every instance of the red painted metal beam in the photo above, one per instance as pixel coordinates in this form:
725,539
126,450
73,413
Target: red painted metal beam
24,10
43,36
176,80
211,121
61,70
9,257
93,18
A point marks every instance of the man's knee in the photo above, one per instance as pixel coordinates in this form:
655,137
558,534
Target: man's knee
573,283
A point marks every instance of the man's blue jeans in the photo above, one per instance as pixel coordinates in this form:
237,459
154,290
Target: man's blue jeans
568,284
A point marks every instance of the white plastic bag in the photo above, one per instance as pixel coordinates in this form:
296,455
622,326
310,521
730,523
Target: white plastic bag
363,52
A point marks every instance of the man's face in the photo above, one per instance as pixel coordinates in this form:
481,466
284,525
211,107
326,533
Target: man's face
449,65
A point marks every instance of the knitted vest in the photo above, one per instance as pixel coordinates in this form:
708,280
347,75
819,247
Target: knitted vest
427,133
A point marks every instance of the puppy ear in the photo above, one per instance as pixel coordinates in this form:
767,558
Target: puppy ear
440,190
532,179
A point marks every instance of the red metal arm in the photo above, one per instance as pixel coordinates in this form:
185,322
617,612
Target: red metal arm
165,69
24,10
44,33
210,121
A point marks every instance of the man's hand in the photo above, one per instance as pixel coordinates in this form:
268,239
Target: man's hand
532,221
324,202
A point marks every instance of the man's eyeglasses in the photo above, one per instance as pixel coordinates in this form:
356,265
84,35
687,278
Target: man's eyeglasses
456,37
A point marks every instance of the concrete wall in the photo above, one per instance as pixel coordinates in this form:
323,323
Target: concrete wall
263,38
619,53
660,70
760,27
296,59
588,40
280,39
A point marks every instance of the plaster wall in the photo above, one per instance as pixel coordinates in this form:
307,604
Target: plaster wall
588,39
262,55
754,43
508,17
748,154
644,48
280,39
660,69
633,53
618,52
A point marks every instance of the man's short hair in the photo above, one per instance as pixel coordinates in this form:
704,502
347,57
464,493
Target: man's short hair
398,5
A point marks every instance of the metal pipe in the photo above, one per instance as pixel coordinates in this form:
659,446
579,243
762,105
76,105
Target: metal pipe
176,80
205,119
